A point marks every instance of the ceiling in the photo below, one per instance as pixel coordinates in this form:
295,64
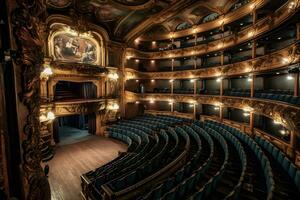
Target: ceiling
125,20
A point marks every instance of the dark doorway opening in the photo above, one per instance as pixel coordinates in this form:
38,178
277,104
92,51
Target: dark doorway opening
73,128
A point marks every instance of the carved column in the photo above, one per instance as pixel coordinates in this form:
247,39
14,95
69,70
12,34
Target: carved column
172,63
221,113
172,106
254,49
194,111
99,126
296,84
254,16
172,86
293,144
252,86
51,84
251,122
222,58
195,87
195,62
44,89
221,87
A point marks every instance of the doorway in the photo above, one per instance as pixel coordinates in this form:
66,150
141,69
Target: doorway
74,128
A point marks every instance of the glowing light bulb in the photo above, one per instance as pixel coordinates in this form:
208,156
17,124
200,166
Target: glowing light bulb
50,116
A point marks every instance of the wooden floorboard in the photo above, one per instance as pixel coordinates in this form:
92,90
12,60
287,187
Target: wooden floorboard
70,161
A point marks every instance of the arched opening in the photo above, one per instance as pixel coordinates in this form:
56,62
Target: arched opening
209,18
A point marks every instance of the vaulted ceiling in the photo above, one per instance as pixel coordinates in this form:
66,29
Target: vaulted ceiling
125,20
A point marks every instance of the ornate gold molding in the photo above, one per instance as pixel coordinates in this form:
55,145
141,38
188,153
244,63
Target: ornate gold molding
225,19
28,29
262,26
287,56
288,115
84,106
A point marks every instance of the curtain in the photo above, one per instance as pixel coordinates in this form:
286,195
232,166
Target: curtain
92,123
88,91
56,130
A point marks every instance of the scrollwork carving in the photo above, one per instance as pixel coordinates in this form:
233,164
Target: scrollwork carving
28,32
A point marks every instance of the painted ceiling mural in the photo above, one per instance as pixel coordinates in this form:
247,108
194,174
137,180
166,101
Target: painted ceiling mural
121,17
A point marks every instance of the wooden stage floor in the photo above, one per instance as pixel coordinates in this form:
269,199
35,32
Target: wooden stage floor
72,160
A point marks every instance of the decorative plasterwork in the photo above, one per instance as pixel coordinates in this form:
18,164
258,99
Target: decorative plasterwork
74,107
262,26
63,109
225,19
28,29
273,61
77,69
286,114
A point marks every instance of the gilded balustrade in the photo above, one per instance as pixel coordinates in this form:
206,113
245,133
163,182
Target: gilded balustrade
286,56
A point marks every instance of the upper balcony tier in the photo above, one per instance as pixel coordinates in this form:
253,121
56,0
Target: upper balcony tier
211,23
251,32
276,60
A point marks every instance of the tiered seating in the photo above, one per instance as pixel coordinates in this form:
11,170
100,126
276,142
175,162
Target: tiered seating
287,179
172,158
229,187
253,172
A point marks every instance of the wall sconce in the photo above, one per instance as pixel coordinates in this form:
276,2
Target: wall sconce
192,80
246,114
285,60
216,108
113,76
137,102
113,106
153,42
171,35
249,79
137,40
50,116
137,80
152,80
289,77
171,81
276,122
219,80
152,101
152,61
137,60
292,5
46,72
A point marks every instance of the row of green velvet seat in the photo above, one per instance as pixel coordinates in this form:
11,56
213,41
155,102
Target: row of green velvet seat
264,162
138,126
137,147
144,148
131,178
169,183
180,176
242,156
158,160
189,184
147,166
282,159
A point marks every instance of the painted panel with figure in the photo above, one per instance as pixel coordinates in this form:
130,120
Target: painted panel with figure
70,48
